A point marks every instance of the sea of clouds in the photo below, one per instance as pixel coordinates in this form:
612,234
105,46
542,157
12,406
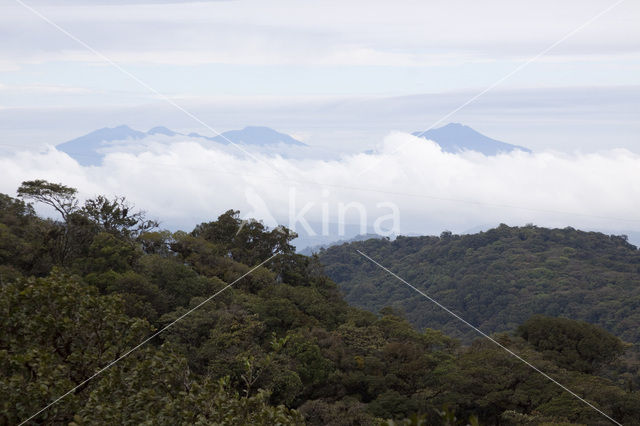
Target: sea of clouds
406,186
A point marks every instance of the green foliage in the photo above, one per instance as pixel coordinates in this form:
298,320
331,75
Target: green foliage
22,240
157,388
107,253
574,345
247,242
116,217
57,332
60,197
282,346
71,239
497,279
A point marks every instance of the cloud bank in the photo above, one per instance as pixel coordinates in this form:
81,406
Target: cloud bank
184,183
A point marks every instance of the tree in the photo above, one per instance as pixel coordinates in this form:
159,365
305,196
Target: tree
116,216
62,240
22,235
14,212
159,389
249,241
59,196
72,238
575,345
56,332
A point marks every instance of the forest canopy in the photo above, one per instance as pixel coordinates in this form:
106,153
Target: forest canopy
281,346
497,279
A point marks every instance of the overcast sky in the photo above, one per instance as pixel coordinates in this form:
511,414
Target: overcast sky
304,55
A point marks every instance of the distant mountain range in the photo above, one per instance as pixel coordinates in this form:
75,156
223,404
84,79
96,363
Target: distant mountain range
456,137
89,149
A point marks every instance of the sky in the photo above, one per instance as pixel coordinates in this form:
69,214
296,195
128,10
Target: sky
561,78
305,57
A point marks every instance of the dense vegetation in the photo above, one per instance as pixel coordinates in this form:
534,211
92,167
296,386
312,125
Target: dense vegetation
279,347
497,279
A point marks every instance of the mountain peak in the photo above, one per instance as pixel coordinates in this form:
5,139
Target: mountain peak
456,137
257,135
85,148
161,130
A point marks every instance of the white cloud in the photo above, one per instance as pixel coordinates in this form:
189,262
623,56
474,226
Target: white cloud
185,183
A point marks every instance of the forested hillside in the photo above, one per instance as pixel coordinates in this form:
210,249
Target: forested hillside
279,347
497,279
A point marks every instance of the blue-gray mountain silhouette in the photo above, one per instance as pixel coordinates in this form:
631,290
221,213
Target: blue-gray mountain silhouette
161,130
87,149
455,137
256,135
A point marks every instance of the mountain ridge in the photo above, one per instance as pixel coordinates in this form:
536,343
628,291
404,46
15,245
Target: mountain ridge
496,278
86,148
89,149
